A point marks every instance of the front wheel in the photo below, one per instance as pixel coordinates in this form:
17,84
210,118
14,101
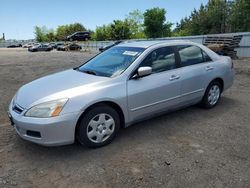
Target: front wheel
98,126
212,95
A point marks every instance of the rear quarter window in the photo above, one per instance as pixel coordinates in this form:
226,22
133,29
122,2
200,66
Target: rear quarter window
206,57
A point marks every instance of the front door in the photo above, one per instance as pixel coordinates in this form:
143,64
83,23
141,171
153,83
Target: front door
159,91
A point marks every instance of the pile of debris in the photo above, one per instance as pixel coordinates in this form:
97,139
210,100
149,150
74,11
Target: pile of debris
224,45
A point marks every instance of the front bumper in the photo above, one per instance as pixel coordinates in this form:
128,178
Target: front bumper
53,131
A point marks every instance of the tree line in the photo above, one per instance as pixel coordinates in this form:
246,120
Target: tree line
150,24
42,34
217,16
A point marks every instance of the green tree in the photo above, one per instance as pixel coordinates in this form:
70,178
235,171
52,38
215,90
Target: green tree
217,16
218,13
63,31
102,33
50,35
135,20
120,30
182,28
40,33
154,23
240,17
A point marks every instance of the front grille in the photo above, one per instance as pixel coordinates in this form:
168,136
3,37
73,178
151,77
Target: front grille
17,109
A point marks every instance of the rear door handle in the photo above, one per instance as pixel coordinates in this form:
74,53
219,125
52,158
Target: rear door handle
174,77
208,68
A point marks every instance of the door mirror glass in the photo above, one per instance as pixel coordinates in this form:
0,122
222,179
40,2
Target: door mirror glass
144,71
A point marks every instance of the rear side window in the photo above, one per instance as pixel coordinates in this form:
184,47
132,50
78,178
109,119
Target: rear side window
161,59
191,55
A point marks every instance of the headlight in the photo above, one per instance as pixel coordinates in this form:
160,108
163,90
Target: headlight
47,109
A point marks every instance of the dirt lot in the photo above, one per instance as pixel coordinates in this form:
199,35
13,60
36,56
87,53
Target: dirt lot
188,148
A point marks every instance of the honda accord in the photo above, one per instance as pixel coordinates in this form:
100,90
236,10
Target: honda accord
125,84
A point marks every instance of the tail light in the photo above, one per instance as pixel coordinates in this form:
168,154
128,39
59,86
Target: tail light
231,62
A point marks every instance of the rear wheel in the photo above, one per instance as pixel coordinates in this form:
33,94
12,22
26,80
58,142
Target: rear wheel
212,95
98,126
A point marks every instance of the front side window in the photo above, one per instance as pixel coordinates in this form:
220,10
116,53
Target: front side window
112,62
161,59
190,55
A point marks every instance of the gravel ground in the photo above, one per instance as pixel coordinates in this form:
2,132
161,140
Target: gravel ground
192,147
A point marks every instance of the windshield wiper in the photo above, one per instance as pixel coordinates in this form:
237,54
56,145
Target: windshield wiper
89,72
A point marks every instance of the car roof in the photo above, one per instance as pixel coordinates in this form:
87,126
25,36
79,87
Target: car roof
149,43
81,32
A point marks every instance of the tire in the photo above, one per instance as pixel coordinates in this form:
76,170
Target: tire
98,127
212,95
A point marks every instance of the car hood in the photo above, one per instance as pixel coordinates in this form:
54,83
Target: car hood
66,84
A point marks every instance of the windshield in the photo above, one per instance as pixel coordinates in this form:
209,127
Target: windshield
112,62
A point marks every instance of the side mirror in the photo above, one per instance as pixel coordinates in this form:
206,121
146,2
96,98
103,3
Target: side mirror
143,71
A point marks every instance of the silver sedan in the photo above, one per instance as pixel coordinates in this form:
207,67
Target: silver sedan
127,83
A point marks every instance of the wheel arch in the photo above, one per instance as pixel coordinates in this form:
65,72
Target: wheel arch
112,104
220,80
204,102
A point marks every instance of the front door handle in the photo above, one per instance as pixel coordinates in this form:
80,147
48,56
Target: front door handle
174,77
208,68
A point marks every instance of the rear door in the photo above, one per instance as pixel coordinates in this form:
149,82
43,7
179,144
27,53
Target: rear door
194,63
159,91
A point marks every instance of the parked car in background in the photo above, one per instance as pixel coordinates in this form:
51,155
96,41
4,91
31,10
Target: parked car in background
14,46
73,47
40,47
59,44
28,45
79,36
69,47
60,47
53,45
123,85
103,48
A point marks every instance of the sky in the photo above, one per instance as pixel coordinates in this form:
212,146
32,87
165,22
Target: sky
19,17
